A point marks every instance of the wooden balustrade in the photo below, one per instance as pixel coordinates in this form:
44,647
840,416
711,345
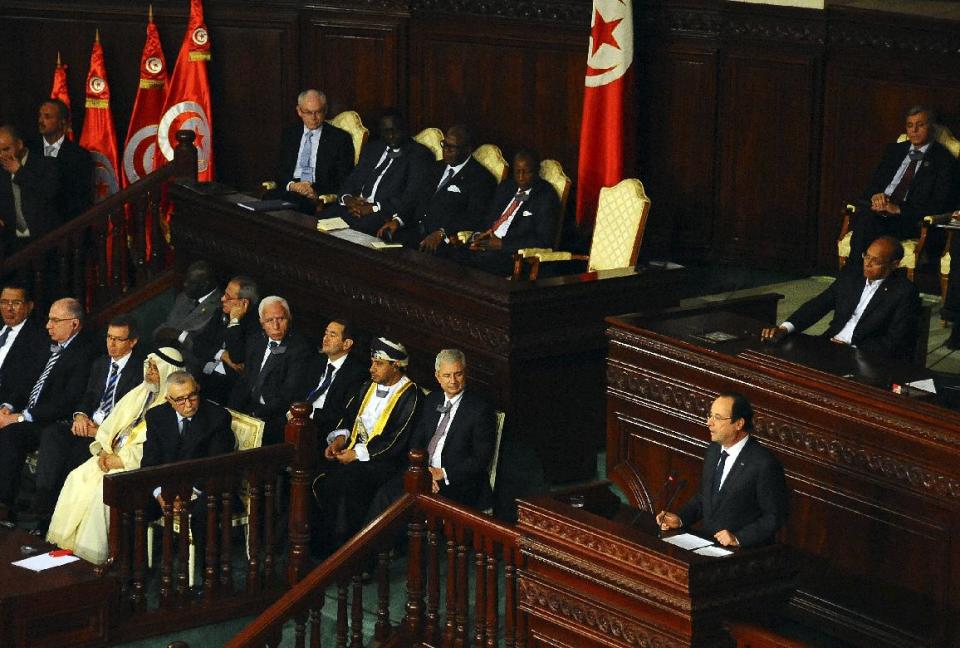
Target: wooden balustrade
117,246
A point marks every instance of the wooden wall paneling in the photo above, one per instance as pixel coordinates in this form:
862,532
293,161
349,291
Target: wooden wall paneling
514,84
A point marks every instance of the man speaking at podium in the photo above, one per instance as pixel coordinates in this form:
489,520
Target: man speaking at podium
743,497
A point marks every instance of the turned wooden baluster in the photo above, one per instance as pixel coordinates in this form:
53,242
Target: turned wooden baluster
510,600
356,613
463,582
492,597
450,624
431,633
182,512
99,232
210,568
116,244
342,614
300,629
382,628
126,550
269,497
139,559
226,571
315,617
138,218
301,432
416,482
253,539
480,591
166,559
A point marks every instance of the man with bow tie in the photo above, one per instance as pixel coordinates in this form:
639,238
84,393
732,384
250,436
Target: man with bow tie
742,500
915,178
274,369
53,397
369,446
387,181
453,198
315,156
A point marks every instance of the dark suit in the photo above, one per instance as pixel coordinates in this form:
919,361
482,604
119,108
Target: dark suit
398,191
60,450
752,504
931,192
217,336
279,383
62,390
888,326
76,177
460,205
23,363
346,382
195,320
335,156
39,182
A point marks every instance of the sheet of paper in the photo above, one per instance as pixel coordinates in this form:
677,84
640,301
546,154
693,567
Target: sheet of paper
924,385
687,541
44,561
354,236
383,245
331,224
714,552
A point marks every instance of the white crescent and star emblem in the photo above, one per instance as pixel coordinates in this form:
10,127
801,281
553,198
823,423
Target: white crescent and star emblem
611,42
199,36
104,177
97,85
153,65
186,115
138,155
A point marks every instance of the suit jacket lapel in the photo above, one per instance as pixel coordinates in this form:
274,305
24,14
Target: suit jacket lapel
736,472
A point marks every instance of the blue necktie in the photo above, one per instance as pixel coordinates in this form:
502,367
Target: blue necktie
718,473
323,386
306,170
55,351
106,403
4,335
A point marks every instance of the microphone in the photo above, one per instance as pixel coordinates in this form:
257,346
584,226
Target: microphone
676,491
671,479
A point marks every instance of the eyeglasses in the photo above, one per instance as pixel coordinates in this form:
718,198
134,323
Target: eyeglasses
313,113
873,261
717,417
114,338
11,303
192,396
57,320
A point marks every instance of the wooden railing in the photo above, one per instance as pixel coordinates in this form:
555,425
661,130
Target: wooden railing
115,247
445,543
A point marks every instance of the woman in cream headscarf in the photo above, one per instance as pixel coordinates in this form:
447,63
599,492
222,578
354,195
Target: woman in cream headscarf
81,520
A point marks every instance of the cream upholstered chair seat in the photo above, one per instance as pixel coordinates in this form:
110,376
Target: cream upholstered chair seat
431,138
909,251
490,156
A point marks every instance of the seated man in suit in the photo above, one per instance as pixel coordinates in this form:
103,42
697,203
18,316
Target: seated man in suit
52,397
220,350
194,311
454,197
369,446
74,161
64,444
914,179
24,346
186,427
458,428
523,214
387,181
742,501
315,157
877,311
28,190
274,369
334,375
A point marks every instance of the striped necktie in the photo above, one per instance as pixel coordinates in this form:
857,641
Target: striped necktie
109,394
55,352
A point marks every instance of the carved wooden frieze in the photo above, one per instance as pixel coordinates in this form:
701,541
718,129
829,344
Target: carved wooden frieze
537,597
894,37
567,11
776,27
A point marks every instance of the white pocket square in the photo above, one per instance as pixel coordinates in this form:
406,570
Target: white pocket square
453,188
527,213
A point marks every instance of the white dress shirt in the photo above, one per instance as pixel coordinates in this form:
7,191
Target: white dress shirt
369,416
11,336
322,398
732,453
903,169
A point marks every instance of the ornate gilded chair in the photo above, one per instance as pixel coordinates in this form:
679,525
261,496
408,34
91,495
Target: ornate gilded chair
490,156
431,138
350,121
552,172
911,247
621,219
248,431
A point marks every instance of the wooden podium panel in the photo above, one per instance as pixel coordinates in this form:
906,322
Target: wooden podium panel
537,349
874,477
590,581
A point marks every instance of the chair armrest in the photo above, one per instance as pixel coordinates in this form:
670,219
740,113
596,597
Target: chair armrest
848,211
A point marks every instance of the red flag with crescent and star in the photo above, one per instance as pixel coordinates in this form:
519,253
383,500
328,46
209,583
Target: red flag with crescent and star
60,90
141,145
99,136
605,127
187,106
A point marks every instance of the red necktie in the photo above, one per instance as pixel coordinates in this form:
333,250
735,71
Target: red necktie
509,211
900,192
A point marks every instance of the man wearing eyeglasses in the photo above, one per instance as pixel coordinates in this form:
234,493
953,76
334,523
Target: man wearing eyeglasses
24,346
53,396
65,445
454,197
221,349
742,500
315,156
274,370
877,311
193,314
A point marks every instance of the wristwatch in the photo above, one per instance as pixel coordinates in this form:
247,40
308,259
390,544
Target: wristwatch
21,418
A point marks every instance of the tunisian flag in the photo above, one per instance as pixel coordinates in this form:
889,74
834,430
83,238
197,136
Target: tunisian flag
60,91
605,129
188,98
99,136
141,145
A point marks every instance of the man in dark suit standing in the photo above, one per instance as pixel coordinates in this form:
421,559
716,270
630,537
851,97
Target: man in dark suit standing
274,370
524,214
28,190
742,501
454,197
24,345
315,157
52,398
388,180
334,376
877,311
915,178
64,445
74,161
